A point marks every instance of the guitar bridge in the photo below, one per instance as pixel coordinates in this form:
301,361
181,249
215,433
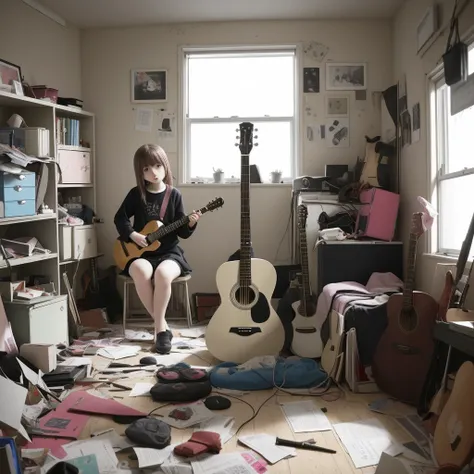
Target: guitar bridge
245,331
310,330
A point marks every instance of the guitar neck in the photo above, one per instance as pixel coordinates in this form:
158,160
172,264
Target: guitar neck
304,267
245,275
410,276
165,230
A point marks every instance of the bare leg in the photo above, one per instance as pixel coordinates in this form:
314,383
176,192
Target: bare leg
165,273
141,272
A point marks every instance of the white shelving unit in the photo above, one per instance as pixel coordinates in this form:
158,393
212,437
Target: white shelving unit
40,113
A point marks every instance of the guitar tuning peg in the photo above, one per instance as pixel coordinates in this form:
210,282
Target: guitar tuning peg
255,137
256,129
255,144
236,129
237,137
236,144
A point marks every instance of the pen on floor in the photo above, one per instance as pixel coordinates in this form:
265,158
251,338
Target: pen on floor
302,445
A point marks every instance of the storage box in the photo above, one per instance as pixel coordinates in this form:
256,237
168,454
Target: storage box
43,92
65,242
42,356
75,166
18,194
84,241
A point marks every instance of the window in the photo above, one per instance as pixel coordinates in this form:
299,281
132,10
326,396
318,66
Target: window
455,165
224,88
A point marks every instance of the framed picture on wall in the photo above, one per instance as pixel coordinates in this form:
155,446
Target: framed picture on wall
337,106
346,76
149,85
9,72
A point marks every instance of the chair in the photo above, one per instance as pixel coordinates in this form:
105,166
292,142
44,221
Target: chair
179,301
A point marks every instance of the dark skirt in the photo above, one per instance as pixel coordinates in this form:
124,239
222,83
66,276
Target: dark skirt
155,258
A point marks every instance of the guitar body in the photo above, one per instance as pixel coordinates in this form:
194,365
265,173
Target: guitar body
306,340
371,164
330,359
237,332
446,296
403,355
453,441
125,251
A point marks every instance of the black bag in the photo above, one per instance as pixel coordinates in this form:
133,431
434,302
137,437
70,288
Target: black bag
455,59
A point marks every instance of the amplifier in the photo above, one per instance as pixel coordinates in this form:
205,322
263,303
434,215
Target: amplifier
309,183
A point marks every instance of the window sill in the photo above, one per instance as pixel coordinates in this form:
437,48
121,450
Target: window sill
443,257
235,185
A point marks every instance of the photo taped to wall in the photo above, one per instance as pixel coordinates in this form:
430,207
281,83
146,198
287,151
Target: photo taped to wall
149,85
346,76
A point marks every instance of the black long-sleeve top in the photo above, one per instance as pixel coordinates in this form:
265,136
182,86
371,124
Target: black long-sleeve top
133,206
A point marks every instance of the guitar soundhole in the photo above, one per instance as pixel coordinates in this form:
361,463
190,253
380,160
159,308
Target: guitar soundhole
245,295
408,320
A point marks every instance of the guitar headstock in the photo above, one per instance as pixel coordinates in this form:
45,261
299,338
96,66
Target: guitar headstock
302,216
417,229
246,138
214,204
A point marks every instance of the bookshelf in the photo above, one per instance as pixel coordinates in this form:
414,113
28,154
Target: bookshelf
76,187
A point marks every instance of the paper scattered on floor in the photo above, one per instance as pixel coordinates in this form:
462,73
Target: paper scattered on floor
118,352
265,445
365,441
305,417
148,457
388,406
106,458
391,465
78,362
176,465
413,426
132,335
219,424
141,389
118,442
193,332
221,464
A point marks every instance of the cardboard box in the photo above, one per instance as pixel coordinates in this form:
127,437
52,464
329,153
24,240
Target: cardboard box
42,356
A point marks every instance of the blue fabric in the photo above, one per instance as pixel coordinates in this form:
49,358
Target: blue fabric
292,373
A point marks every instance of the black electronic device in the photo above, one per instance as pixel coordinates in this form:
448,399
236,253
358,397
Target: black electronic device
309,184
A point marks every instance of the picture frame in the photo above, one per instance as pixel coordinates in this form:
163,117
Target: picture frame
346,76
426,27
17,88
337,105
149,85
9,72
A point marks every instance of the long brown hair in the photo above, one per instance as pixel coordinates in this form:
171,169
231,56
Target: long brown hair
149,155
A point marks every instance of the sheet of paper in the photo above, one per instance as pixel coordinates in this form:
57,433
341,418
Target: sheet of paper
148,457
141,389
106,458
193,332
143,119
10,413
258,464
118,352
305,417
364,440
232,463
118,442
176,468
219,424
265,445
78,362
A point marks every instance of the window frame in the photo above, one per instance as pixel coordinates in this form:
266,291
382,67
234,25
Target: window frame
184,124
438,150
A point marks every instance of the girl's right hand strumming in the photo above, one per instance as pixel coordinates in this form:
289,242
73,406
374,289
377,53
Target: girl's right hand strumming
139,239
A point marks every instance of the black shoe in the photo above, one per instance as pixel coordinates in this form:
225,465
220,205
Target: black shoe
163,342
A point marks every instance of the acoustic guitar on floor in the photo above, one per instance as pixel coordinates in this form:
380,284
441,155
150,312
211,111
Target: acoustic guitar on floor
154,231
245,325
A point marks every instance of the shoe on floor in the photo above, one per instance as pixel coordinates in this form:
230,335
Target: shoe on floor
163,342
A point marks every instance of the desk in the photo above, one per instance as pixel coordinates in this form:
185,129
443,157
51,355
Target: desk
451,350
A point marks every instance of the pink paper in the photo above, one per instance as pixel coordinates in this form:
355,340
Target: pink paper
87,403
53,444
61,421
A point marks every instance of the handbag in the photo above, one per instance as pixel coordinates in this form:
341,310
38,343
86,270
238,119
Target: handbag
455,59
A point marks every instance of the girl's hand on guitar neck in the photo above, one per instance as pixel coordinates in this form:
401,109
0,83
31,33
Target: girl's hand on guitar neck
193,218
139,239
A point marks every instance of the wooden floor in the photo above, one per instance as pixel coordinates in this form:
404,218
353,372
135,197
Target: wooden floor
270,420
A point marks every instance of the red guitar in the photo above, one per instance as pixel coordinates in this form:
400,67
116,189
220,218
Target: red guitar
403,355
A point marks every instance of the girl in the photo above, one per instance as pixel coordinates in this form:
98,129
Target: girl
154,271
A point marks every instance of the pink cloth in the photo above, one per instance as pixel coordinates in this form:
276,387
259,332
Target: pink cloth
378,284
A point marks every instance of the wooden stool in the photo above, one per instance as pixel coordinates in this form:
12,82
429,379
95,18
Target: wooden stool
181,282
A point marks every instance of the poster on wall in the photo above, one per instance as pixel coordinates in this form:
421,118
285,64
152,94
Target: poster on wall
416,123
167,137
310,80
337,133
346,76
148,85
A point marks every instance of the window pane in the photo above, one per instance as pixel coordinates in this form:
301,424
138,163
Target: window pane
249,86
213,146
455,210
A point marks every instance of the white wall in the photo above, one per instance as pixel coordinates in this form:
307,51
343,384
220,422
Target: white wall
109,54
415,166
47,52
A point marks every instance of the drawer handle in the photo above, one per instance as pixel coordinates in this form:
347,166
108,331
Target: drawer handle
21,202
21,177
18,188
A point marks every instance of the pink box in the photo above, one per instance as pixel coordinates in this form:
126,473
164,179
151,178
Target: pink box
377,217
43,92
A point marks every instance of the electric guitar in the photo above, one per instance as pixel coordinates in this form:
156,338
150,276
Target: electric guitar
245,325
154,231
403,354
306,340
